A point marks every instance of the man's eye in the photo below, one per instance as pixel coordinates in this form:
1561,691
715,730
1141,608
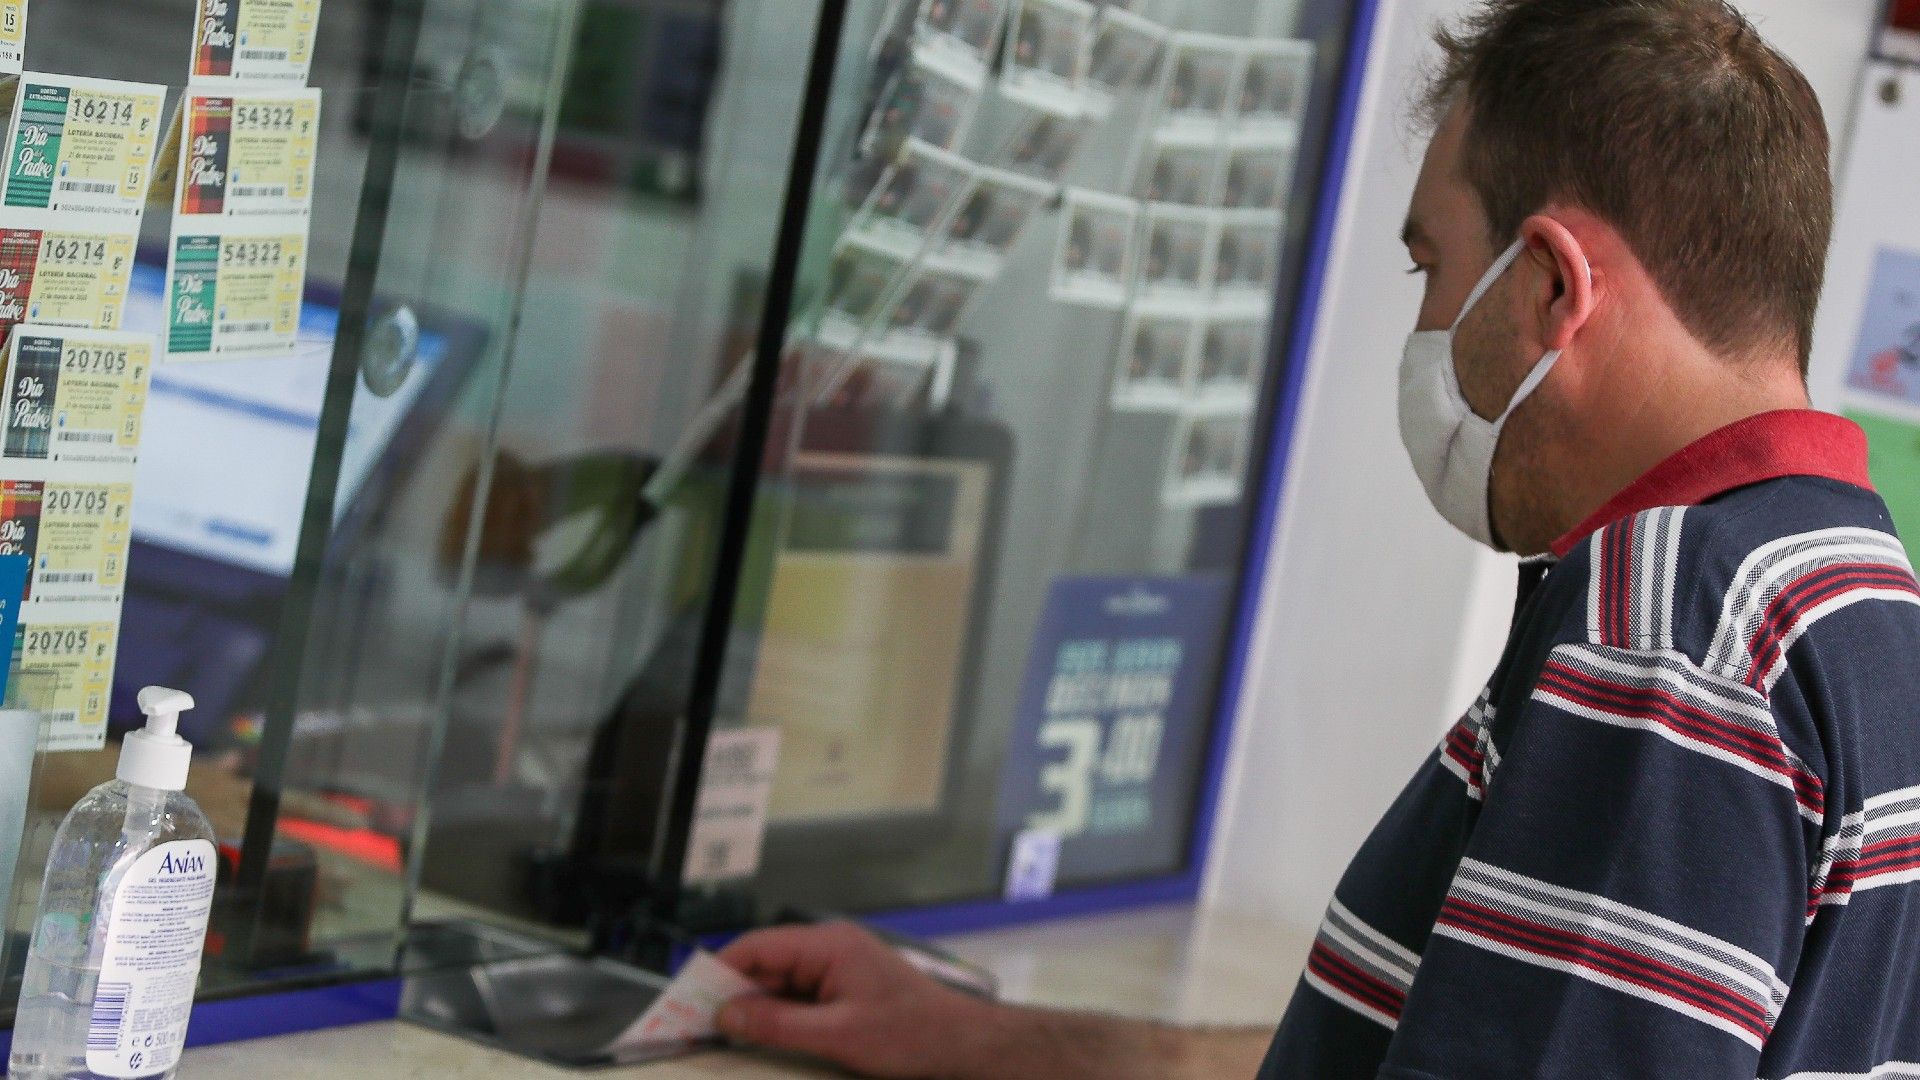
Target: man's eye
1416,268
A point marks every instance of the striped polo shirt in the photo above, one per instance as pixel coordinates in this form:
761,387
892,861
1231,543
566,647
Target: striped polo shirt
1678,835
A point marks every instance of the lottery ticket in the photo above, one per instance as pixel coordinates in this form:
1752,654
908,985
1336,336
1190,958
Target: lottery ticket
58,275
74,396
13,36
75,647
76,534
233,294
82,145
248,154
685,1012
260,41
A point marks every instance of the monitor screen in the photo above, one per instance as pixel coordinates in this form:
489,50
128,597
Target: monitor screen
228,446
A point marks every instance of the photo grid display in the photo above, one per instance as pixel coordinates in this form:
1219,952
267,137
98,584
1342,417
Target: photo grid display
1212,174
1187,249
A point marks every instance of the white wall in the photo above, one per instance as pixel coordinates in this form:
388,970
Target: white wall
1379,623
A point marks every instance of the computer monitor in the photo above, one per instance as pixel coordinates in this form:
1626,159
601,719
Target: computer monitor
220,494
228,444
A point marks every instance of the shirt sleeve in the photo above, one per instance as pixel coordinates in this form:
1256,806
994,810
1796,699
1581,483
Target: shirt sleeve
1635,892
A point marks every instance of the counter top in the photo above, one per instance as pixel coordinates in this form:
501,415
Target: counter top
1166,963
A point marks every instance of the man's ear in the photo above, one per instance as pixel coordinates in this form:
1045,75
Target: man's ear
1564,300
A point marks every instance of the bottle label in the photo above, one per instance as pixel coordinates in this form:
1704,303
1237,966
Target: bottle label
152,961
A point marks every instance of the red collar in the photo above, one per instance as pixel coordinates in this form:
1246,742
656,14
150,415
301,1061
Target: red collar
1790,442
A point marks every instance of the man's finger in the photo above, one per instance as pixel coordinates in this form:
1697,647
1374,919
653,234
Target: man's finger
784,1025
785,958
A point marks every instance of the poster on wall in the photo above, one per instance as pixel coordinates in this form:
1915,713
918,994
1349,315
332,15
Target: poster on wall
1114,719
1885,364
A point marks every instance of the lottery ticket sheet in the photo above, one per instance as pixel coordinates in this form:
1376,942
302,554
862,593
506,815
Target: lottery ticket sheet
13,36
248,154
79,145
56,269
236,262
69,440
233,293
71,516
75,531
73,397
75,646
253,41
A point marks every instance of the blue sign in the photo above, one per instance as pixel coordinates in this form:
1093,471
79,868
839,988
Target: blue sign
13,586
1111,736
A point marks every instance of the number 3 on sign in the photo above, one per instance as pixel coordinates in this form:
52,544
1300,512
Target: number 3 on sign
1069,779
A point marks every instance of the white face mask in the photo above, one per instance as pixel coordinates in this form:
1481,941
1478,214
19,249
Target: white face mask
1450,445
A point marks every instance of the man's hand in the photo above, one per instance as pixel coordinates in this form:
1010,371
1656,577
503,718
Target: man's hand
842,995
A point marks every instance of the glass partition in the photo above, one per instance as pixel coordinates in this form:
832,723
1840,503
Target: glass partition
883,385
1054,252
298,556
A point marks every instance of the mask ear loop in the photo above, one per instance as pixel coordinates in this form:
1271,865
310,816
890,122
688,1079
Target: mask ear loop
1540,370
1499,267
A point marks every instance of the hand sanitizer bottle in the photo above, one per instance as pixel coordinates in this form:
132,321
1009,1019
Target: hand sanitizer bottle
123,915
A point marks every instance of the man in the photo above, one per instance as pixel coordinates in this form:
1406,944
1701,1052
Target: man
1679,834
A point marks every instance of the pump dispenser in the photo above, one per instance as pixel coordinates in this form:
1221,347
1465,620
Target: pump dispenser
156,756
123,916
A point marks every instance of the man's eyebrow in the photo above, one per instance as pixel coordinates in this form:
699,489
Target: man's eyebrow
1411,233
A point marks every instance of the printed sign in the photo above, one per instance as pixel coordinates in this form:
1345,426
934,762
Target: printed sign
1034,866
730,819
234,295
249,155
63,276
74,396
1113,720
254,41
82,144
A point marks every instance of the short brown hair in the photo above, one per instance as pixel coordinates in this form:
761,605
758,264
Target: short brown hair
1674,122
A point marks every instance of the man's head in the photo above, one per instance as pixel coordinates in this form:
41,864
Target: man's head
1667,174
